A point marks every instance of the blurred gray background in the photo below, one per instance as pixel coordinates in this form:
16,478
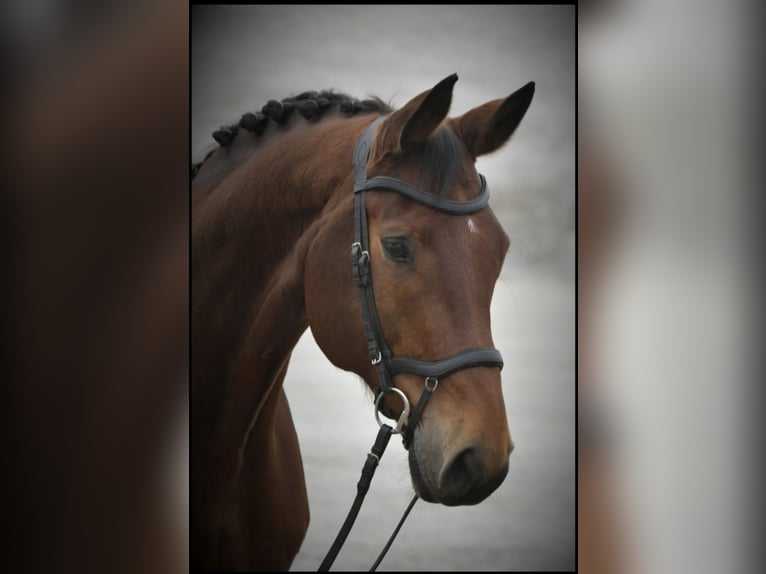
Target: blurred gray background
242,56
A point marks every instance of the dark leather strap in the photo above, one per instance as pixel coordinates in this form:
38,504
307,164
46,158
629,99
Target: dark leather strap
386,183
483,357
377,348
362,152
408,432
368,470
396,531
448,206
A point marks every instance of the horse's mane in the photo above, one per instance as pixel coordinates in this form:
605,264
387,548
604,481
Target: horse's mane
311,105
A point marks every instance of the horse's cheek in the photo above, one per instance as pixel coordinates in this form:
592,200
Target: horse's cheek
332,306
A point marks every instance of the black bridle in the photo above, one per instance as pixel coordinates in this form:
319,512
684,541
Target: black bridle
381,356
386,364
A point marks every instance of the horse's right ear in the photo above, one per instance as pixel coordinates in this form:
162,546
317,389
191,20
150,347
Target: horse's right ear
411,125
487,127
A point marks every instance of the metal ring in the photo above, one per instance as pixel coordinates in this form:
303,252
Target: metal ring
435,381
402,418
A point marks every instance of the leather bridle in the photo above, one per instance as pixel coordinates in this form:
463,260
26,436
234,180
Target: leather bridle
382,358
386,364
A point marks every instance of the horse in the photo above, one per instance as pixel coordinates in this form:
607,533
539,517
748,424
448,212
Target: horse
272,224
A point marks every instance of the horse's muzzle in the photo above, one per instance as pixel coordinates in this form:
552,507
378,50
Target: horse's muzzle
462,479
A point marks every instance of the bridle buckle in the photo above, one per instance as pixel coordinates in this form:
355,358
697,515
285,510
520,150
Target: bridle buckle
360,261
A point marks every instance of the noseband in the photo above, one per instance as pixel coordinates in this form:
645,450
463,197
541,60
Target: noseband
386,364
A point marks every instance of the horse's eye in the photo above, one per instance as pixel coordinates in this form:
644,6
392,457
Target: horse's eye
398,249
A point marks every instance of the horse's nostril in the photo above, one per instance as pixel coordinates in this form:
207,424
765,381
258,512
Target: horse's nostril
462,474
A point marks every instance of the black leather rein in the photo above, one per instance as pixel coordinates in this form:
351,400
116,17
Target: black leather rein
381,356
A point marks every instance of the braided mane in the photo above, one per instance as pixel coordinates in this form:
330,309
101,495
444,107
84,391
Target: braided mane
310,105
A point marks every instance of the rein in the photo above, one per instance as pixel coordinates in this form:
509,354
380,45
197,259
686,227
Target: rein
381,357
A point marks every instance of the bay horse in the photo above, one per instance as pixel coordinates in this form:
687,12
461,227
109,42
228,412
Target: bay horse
272,226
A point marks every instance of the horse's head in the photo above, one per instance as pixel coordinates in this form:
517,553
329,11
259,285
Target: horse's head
433,275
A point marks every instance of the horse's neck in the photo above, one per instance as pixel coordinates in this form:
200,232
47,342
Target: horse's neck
247,233
224,163
250,236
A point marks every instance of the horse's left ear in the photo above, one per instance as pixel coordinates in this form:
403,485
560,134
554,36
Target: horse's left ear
486,128
410,126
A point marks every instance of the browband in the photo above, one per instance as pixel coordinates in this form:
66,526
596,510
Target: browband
382,182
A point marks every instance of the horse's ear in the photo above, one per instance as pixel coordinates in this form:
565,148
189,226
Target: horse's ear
486,128
411,125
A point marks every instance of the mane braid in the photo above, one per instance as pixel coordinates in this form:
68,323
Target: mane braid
310,105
